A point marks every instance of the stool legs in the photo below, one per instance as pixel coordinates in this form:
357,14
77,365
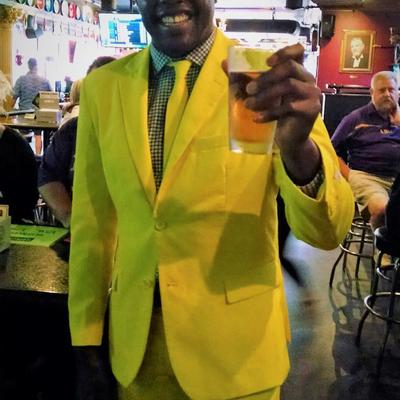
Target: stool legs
372,297
342,254
359,234
370,303
360,250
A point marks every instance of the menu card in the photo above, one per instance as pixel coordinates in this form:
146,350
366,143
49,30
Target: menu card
5,223
34,235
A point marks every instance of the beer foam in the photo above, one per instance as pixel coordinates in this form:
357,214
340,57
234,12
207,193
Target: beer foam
248,59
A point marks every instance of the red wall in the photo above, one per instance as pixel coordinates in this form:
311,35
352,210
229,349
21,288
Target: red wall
328,68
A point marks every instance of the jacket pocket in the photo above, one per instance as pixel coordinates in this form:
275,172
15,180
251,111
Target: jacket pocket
251,282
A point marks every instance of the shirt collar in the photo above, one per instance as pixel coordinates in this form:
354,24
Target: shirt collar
196,56
373,110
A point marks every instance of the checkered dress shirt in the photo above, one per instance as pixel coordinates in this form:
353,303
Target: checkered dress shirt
161,83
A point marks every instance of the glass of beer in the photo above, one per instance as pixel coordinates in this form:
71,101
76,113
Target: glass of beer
247,136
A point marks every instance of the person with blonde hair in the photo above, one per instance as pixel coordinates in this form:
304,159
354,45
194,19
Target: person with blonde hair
5,90
18,170
71,109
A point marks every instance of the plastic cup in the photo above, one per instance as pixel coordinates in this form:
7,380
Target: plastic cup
247,136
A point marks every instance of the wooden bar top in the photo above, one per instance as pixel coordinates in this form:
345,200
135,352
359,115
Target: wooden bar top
20,122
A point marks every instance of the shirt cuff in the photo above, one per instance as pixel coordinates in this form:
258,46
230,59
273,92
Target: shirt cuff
311,189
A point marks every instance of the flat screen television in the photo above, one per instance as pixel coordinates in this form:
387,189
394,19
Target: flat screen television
122,30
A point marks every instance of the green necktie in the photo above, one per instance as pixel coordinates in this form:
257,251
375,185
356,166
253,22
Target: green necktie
176,105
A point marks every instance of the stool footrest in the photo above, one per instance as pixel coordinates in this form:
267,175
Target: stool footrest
370,307
355,253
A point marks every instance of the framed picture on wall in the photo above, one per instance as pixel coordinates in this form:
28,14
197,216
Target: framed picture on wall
357,51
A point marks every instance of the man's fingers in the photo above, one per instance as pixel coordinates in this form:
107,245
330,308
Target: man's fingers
224,66
309,110
289,90
279,74
295,52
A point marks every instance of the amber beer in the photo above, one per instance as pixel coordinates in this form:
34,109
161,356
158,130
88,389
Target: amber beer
247,136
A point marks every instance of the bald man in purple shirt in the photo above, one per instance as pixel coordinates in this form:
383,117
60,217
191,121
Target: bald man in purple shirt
367,142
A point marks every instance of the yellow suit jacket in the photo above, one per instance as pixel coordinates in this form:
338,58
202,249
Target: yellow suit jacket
211,230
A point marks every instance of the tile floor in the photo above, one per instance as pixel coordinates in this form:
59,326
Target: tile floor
326,364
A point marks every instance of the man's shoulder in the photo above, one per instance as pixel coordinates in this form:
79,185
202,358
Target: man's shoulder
67,131
100,78
21,79
361,113
12,137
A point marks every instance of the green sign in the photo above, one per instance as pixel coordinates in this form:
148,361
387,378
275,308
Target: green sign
33,235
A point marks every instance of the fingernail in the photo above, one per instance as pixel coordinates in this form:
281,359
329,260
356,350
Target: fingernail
258,118
251,88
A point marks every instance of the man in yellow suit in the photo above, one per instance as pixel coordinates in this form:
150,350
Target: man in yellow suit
199,225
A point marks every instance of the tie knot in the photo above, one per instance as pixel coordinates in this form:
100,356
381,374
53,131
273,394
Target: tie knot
181,68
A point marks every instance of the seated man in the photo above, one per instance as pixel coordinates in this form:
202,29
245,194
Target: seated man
367,142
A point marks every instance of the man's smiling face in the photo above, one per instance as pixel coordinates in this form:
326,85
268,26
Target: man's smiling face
177,26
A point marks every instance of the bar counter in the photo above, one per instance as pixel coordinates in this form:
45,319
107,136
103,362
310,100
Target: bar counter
35,347
19,122
35,269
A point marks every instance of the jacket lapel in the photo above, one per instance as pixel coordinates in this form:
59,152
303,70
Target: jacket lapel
133,88
210,87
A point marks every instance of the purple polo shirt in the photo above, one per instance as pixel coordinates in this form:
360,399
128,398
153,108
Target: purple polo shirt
368,142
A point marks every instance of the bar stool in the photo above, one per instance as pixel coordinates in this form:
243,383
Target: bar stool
360,234
43,215
385,245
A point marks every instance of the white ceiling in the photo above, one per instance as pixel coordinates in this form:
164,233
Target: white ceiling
363,5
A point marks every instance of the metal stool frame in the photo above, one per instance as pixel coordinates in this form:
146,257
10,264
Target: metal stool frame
370,300
359,233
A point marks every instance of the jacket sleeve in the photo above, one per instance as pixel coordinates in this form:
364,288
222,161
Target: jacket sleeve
322,222
93,233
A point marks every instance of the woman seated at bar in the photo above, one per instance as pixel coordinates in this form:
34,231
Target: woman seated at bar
18,169
57,168
71,109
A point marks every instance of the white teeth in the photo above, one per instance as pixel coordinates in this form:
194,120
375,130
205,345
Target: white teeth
176,19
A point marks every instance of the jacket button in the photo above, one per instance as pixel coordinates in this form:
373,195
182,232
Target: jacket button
160,225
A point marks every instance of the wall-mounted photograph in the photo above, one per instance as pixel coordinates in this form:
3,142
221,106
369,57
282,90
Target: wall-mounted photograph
357,51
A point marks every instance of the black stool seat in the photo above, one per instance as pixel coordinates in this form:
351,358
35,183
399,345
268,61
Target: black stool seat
385,243
390,246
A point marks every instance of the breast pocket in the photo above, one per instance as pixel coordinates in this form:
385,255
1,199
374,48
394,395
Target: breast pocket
204,172
209,143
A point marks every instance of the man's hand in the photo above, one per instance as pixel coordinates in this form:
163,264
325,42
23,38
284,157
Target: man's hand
344,168
287,93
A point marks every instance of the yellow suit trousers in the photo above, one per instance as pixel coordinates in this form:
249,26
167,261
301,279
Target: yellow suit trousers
156,379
